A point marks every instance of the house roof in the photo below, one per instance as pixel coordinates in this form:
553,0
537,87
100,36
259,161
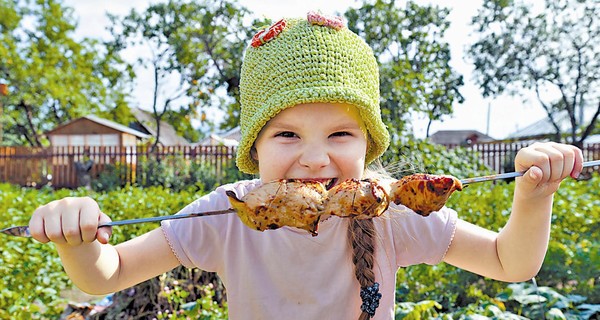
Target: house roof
593,139
168,135
544,127
228,138
104,122
459,137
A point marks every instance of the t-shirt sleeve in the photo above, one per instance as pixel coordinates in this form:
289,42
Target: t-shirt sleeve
419,239
200,241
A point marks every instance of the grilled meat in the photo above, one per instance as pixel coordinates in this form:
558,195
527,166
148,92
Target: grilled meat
302,204
424,193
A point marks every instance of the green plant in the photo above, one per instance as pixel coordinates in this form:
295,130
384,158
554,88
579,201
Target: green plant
415,155
179,306
32,278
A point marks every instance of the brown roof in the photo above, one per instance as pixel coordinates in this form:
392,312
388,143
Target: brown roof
147,123
83,128
459,137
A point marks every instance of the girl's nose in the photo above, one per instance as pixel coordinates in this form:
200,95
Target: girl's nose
314,157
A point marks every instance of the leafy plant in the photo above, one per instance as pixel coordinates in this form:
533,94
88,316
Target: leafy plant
32,278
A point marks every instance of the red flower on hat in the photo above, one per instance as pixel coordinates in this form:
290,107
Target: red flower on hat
266,35
334,22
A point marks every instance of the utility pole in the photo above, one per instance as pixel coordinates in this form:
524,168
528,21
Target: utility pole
487,129
3,93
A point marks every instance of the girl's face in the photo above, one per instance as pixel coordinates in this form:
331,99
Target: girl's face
316,141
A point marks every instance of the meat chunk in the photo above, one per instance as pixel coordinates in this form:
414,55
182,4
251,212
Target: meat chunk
292,203
424,193
302,204
359,199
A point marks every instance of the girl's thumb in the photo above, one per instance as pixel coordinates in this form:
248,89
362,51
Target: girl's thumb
103,234
533,175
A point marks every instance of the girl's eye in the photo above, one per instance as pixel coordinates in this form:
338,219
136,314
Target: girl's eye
341,134
286,134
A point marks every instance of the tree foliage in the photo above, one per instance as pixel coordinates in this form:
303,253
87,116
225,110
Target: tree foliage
414,60
195,56
554,52
51,77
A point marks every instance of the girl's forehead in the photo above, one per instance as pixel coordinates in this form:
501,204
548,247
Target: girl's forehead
331,111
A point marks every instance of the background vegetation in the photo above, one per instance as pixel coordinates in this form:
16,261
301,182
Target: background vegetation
195,50
33,281
50,78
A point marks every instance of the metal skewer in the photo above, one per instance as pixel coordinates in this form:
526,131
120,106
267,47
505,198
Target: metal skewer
509,175
23,231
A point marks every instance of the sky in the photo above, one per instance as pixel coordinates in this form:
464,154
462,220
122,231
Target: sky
498,117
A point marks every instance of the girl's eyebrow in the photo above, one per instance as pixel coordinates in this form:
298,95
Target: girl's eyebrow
280,125
349,125
284,125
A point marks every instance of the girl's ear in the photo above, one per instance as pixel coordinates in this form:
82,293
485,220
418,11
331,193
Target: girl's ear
253,153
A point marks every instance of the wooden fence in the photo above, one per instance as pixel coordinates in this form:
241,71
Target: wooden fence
65,167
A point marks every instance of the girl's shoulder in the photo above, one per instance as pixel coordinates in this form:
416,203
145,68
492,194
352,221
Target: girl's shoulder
417,239
240,188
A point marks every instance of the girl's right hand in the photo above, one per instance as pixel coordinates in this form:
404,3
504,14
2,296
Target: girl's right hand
69,221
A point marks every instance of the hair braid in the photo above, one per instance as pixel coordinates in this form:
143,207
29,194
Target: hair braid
361,236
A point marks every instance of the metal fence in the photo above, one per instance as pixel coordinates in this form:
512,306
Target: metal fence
62,167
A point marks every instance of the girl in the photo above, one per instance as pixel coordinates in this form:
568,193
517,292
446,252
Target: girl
310,110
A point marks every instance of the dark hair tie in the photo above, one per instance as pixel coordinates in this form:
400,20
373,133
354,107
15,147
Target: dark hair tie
370,298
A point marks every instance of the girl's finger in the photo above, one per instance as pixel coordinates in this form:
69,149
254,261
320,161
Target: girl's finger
533,175
36,226
555,161
88,223
569,159
578,165
103,234
53,227
70,225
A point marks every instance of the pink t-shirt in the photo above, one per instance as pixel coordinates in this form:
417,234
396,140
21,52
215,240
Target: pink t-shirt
289,274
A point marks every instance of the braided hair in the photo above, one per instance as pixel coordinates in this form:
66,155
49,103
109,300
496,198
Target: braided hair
361,237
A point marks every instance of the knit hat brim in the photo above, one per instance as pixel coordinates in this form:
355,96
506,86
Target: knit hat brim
377,134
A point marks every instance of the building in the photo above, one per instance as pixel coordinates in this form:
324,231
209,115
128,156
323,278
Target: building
544,129
229,138
147,124
92,131
459,137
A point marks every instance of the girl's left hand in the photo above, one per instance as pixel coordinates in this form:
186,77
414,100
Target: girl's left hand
546,165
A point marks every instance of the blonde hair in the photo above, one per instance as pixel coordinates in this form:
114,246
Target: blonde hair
361,238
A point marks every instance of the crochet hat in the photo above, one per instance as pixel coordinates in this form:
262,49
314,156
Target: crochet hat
309,60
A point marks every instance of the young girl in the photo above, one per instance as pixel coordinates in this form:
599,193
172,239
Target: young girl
310,110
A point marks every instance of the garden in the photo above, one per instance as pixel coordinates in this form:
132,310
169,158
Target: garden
34,285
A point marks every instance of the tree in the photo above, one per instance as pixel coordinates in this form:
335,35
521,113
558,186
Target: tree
200,45
51,78
415,74
554,53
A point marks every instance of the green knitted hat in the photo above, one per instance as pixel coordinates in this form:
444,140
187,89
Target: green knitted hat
295,62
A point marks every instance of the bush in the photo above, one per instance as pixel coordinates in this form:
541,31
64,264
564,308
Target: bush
31,276
174,172
421,156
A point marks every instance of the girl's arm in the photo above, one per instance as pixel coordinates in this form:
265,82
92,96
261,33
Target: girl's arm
516,253
93,265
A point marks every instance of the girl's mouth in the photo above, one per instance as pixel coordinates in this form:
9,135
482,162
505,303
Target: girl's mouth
327,183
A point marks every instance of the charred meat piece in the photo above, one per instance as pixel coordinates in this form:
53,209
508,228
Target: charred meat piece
424,193
303,203
359,199
292,203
